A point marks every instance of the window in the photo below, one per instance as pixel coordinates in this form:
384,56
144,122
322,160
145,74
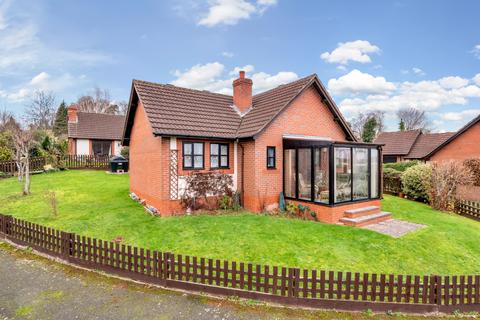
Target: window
305,174
320,170
360,173
193,155
374,173
343,174
331,174
218,155
271,158
101,147
290,173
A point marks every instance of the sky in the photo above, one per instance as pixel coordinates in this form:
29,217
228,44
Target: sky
371,55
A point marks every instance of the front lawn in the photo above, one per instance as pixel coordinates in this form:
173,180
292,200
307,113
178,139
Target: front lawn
97,204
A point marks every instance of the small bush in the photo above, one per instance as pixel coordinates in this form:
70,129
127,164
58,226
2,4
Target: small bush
392,180
474,166
125,152
416,182
201,186
401,166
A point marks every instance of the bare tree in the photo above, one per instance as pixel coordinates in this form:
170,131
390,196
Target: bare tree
8,121
23,141
122,107
358,123
41,111
98,102
413,118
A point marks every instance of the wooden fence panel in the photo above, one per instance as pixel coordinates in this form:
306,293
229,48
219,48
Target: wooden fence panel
290,285
470,209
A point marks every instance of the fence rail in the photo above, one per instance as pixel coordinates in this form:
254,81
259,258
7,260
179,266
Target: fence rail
71,162
87,161
294,286
470,209
10,167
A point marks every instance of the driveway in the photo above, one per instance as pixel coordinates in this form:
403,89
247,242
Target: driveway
32,287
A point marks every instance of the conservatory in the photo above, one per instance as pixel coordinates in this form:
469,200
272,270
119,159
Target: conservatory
330,173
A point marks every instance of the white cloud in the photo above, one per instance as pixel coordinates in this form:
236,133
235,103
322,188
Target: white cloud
414,70
425,95
418,71
46,82
202,77
357,51
356,82
476,79
230,12
476,51
211,77
263,81
247,68
453,82
227,54
467,114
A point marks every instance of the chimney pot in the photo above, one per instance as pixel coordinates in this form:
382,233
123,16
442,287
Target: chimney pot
242,92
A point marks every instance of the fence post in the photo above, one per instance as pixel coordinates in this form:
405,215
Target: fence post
67,244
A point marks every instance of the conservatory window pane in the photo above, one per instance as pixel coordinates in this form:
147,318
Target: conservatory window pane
360,173
343,171
374,173
290,173
305,174
321,175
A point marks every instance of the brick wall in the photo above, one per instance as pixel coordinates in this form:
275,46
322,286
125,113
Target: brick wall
465,146
146,161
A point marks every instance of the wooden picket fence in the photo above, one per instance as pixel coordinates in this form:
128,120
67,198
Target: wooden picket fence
10,167
470,209
70,161
87,162
290,286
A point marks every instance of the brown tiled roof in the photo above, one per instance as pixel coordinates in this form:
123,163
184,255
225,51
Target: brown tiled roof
397,143
426,143
179,111
186,112
97,126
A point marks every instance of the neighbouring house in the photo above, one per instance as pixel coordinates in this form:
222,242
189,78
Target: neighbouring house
410,144
94,133
461,145
292,138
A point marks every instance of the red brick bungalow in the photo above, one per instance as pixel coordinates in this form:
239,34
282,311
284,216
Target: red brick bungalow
292,138
464,144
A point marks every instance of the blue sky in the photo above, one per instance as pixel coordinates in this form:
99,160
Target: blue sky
372,55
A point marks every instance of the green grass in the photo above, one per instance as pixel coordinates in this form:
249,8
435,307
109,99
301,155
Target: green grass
93,203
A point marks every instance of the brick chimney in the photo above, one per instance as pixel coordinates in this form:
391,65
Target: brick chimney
72,114
242,92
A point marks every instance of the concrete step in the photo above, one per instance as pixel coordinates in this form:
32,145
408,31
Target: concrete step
366,220
361,212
